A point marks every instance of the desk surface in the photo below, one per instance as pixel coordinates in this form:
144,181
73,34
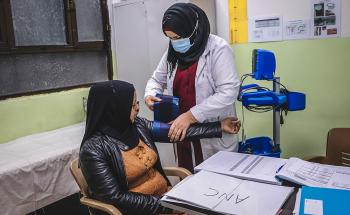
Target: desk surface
34,170
287,208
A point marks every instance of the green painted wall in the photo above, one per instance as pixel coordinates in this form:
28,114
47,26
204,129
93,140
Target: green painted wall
32,114
321,69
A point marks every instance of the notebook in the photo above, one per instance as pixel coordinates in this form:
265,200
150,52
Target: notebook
244,166
315,175
229,195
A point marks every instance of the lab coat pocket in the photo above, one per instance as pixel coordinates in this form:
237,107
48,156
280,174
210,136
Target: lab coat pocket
205,83
211,81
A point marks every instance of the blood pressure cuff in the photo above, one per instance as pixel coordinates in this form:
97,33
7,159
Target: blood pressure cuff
160,131
167,109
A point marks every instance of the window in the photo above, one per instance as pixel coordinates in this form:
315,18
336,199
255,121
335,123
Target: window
39,22
48,45
89,20
2,26
2,36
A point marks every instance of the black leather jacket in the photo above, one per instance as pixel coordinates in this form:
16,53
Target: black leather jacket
102,165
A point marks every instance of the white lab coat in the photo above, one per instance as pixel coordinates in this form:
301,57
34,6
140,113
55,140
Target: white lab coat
217,85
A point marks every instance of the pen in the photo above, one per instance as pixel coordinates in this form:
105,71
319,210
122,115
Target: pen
279,168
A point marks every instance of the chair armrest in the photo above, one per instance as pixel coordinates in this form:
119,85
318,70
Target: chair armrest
177,171
110,209
316,159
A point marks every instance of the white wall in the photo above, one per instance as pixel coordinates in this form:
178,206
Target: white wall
222,19
296,9
209,8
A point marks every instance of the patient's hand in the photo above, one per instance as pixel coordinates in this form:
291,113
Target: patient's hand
230,125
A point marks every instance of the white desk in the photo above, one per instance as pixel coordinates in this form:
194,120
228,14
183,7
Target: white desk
34,170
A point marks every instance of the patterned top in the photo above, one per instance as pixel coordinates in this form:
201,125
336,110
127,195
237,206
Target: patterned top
142,176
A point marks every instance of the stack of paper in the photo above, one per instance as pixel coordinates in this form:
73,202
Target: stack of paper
315,175
244,166
229,195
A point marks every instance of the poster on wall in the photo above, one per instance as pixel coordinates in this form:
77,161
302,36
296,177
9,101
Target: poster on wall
326,18
296,29
263,29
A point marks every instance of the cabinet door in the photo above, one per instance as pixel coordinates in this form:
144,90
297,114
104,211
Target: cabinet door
131,41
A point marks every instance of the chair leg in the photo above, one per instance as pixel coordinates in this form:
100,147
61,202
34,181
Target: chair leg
90,211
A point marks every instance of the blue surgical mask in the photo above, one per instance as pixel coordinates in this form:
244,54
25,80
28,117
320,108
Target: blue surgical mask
181,45
184,44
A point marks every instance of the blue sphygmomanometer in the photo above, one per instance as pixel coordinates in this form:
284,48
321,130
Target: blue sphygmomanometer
264,66
262,99
160,130
164,112
167,109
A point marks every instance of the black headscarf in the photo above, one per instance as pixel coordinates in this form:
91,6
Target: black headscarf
108,111
181,18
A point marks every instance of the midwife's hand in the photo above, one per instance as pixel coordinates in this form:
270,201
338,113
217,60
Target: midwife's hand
180,125
149,101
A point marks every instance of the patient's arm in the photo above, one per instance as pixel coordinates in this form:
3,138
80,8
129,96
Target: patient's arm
159,130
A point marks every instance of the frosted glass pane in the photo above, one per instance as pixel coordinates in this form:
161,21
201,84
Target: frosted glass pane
89,20
1,22
1,30
32,72
1,39
39,22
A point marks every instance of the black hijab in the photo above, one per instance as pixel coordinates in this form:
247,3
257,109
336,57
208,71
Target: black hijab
108,111
181,18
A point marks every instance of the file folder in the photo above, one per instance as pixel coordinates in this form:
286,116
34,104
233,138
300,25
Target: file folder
324,201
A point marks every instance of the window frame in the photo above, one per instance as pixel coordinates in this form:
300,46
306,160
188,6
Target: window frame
3,38
9,47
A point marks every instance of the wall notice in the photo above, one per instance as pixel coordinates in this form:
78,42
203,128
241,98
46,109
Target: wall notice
326,18
296,29
263,29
